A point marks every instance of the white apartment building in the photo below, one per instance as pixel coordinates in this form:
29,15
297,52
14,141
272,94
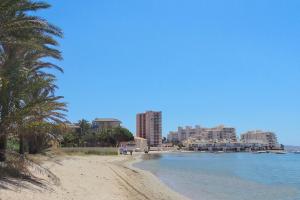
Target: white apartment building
260,137
216,134
173,136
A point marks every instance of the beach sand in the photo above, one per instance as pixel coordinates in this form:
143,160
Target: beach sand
90,178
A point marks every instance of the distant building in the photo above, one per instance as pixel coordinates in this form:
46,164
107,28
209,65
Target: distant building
141,125
73,127
216,134
173,136
149,126
138,144
260,137
105,123
220,133
141,144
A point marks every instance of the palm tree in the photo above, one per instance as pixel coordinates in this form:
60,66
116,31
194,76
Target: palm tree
24,41
40,109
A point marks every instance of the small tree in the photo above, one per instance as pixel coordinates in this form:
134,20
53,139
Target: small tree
121,134
164,140
85,126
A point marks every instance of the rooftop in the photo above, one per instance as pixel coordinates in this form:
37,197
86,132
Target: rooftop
72,125
107,120
139,138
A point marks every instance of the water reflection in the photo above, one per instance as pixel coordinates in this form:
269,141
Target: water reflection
151,156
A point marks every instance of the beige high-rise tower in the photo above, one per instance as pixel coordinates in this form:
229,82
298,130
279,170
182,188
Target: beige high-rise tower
148,126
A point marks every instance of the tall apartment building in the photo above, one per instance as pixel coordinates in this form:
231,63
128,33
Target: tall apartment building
216,134
260,137
149,126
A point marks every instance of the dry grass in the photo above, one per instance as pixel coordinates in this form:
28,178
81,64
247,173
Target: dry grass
24,168
90,151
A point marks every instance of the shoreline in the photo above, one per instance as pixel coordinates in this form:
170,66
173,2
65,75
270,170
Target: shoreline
157,189
90,177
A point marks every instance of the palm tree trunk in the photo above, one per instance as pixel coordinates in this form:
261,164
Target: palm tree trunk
3,144
4,113
21,145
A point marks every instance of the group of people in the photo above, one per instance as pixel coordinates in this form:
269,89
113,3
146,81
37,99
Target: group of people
123,151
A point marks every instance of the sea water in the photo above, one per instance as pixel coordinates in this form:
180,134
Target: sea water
228,176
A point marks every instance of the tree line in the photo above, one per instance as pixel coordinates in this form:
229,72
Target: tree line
86,136
31,113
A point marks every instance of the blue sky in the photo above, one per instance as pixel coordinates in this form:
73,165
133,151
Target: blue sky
199,62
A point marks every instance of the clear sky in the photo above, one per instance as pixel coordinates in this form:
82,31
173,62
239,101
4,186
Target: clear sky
199,62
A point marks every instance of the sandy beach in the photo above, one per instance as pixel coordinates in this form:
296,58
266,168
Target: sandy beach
90,177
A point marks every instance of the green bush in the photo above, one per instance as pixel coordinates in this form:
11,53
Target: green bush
103,138
13,144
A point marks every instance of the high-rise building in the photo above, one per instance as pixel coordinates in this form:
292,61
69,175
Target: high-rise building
141,125
148,126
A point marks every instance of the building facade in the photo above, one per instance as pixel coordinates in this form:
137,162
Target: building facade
173,137
138,145
216,134
260,137
141,144
149,126
141,125
105,123
73,128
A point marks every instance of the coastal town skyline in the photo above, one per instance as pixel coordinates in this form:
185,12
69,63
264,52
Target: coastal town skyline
202,63
149,126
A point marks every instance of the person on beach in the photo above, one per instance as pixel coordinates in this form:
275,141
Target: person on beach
121,150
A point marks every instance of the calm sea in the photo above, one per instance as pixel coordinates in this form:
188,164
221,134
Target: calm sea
228,176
